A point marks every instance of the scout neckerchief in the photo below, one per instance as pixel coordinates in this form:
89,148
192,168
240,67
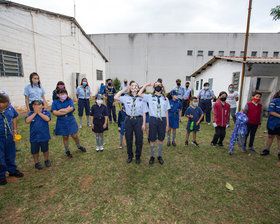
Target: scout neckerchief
85,89
133,108
158,106
6,124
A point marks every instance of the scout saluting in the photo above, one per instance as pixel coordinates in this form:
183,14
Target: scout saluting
66,123
174,115
159,122
136,110
99,121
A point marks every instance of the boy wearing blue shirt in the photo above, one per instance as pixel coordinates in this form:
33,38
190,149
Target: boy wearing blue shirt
8,128
195,115
109,94
39,132
273,124
121,119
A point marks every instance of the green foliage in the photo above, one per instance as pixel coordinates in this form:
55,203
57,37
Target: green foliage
275,12
117,83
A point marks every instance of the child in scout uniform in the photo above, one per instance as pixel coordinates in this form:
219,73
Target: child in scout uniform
39,132
109,94
134,123
174,115
159,121
195,115
121,128
83,94
66,123
99,121
273,124
8,128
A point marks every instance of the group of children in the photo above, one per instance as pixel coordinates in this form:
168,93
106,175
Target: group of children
164,117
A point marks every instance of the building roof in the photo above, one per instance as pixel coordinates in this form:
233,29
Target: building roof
238,59
37,10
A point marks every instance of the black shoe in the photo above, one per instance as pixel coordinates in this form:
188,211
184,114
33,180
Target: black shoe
173,143
3,181
83,149
212,144
48,163
186,143
129,160
152,160
160,160
68,154
38,166
265,152
195,143
221,144
168,143
17,174
138,161
18,150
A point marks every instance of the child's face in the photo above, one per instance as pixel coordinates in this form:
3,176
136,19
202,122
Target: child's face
35,79
194,102
4,106
223,96
174,97
257,96
37,106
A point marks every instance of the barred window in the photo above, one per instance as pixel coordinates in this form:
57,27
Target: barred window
99,75
10,64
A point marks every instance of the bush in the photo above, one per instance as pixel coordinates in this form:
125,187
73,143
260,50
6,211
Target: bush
117,84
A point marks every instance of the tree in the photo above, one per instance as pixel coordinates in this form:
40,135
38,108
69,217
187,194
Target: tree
117,83
275,12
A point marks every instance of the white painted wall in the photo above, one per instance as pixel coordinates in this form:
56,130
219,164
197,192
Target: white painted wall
48,48
146,56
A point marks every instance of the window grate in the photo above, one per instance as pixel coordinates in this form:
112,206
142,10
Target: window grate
10,64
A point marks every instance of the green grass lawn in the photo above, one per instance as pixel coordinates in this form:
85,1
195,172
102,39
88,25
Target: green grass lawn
102,188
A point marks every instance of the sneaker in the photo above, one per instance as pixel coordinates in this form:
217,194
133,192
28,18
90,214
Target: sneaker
152,160
243,149
68,154
138,161
209,123
83,149
252,149
173,143
80,126
88,124
18,150
160,160
265,152
227,126
38,166
212,144
221,144
48,163
195,143
168,143
186,143
97,149
16,174
101,148
3,181
129,160
120,147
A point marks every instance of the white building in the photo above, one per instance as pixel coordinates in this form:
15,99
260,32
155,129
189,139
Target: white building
261,74
53,45
144,57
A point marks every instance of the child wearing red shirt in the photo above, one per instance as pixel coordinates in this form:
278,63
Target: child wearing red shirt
254,112
221,114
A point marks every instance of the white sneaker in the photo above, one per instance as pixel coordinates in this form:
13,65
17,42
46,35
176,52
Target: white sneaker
89,124
120,147
209,123
227,126
97,148
101,148
80,126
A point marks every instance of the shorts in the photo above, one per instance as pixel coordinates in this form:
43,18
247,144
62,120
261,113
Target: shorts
276,131
157,128
35,147
83,103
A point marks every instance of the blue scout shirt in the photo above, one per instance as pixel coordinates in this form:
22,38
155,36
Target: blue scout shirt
180,90
83,93
206,94
133,108
197,112
109,92
39,128
65,124
273,122
121,117
175,106
98,112
34,93
187,93
157,109
6,121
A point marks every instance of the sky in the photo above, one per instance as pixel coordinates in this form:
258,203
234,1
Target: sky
142,16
